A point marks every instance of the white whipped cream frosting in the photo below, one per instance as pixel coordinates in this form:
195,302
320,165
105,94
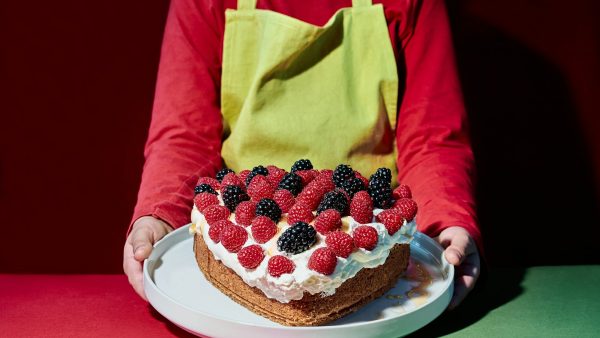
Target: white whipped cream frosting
292,286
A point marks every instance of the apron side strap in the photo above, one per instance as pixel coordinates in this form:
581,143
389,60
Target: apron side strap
361,3
246,4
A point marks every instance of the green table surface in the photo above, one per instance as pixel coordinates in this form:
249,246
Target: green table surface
546,301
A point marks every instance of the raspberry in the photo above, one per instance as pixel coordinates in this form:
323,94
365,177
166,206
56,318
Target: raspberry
260,188
285,199
214,213
361,207
210,181
311,195
300,212
328,221
205,199
251,256
275,174
306,175
340,243
392,219
365,237
297,238
232,179
407,208
233,237
303,164
323,260
325,180
279,265
222,173
403,191
364,180
232,196
263,229
245,212
214,231
244,175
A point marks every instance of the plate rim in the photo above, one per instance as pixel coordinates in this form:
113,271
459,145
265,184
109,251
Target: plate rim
184,229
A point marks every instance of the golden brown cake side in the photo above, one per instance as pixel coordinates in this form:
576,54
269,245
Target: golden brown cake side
311,310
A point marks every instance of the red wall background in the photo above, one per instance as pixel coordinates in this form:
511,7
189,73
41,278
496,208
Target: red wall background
77,82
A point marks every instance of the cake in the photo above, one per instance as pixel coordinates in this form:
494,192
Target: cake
305,247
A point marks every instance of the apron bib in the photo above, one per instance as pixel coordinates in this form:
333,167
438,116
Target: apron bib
294,90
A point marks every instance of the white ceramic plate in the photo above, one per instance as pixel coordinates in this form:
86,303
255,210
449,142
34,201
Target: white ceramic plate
177,289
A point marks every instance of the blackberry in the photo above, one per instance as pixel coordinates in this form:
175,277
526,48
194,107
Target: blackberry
303,164
381,193
204,188
297,238
221,173
232,196
353,185
258,170
292,183
341,173
268,207
334,200
384,174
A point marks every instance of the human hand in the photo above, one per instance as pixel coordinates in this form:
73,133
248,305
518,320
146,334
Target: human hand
460,250
145,231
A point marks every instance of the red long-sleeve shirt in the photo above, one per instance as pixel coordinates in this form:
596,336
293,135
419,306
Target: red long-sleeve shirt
184,141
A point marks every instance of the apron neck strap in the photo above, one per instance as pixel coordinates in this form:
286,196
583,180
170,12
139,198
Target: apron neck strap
361,3
246,4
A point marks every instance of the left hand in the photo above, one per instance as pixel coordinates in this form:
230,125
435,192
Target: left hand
460,251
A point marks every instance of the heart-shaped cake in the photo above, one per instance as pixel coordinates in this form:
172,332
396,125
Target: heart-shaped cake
304,247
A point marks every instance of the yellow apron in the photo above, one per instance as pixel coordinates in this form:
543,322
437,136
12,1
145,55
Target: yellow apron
294,90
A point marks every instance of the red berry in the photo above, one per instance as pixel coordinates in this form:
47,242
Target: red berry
251,256
245,212
327,221
284,199
210,181
275,174
244,174
278,265
323,260
306,175
403,191
362,178
311,195
300,212
260,188
341,243
263,229
391,219
232,179
233,237
205,199
325,177
214,213
365,237
407,208
214,230
361,207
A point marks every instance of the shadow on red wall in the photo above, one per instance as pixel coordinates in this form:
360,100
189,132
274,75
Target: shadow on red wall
77,85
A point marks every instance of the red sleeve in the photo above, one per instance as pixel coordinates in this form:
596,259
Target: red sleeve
434,152
184,140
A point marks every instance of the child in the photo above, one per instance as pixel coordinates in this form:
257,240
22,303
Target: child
275,88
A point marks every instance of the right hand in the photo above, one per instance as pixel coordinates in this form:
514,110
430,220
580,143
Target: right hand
145,231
